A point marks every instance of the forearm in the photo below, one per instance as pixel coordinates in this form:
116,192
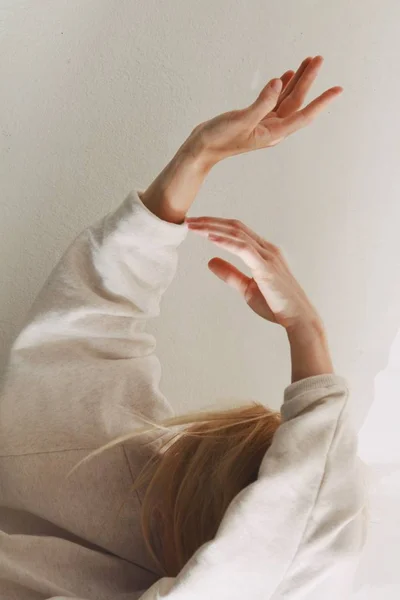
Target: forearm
174,190
171,195
309,351
116,272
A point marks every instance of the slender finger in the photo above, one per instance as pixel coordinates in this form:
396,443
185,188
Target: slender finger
293,81
224,226
281,128
205,219
264,103
230,274
286,77
230,227
247,252
294,100
227,231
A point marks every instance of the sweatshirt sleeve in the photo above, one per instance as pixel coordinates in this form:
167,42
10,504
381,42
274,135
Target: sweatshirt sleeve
83,356
296,532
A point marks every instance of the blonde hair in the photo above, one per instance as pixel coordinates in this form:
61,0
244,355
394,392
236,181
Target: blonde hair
190,482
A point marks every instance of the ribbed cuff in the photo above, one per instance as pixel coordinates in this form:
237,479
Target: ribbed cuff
314,383
176,231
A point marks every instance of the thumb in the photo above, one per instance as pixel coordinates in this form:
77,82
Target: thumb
266,101
230,274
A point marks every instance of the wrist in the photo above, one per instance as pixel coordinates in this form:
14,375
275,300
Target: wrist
306,330
174,190
196,154
309,351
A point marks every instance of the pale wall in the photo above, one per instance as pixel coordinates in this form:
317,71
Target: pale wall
97,95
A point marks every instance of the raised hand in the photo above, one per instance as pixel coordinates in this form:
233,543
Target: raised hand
274,115
272,291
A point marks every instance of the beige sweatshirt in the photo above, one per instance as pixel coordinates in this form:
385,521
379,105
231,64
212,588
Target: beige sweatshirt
80,369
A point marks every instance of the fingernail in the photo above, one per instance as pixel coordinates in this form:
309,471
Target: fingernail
276,85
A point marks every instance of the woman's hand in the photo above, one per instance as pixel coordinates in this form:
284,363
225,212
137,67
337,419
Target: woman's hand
273,116
272,292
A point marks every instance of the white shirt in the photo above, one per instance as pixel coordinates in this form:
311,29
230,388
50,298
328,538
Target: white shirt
81,370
